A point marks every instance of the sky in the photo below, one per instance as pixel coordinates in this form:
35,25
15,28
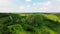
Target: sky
29,6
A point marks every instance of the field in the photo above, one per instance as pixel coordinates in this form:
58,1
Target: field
29,23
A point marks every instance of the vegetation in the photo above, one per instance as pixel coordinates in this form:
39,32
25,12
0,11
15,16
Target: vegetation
29,23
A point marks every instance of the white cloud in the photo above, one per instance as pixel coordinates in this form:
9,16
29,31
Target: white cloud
47,3
4,2
57,0
42,3
49,6
22,7
28,0
36,7
28,6
55,6
6,6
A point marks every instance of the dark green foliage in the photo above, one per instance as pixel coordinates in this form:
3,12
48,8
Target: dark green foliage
29,24
15,29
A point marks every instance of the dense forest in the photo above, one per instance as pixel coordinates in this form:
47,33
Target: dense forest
29,23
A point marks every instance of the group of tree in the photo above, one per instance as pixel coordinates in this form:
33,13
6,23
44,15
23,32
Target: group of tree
29,23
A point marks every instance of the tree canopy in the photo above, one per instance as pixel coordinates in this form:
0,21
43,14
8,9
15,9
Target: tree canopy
29,23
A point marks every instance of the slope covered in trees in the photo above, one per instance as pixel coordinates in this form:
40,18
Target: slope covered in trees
29,23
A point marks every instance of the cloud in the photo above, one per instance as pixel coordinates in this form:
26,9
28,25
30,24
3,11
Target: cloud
7,6
48,6
28,0
55,6
36,7
58,0
4,2
22,7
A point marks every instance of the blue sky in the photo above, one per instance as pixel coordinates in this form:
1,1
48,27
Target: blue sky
27,6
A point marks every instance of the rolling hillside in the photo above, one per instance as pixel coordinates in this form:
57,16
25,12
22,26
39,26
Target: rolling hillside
29,23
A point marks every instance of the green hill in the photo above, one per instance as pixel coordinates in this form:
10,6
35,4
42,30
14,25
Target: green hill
29,23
